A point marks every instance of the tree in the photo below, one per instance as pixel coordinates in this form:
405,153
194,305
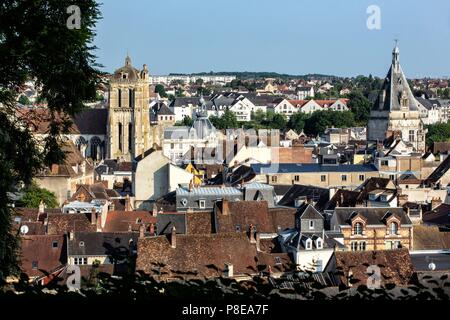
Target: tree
226,121
297,121
23,99
360,106
438,132
159,88
34,195
187,122
278,121
39,46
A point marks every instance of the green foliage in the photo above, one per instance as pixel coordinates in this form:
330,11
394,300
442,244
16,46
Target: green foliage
444,93
34,195
438,132
297,121
187,122
226,121
39,46
23,99
159,88
360,106
320,120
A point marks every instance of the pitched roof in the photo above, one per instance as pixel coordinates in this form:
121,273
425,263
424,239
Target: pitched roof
395,265
126,221
316,194
100,243
200,222
439,172
430,238
307,211
374,216
47,251
439,215
92,121
165,221
310,167
201,255
61,223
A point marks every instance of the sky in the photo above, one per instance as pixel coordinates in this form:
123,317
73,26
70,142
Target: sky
284,36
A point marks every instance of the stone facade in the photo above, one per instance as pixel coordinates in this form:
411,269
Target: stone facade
129,131
396,112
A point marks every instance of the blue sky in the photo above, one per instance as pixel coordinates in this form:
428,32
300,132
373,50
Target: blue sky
286,36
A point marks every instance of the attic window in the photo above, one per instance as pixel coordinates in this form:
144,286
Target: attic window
124,76
358,228
81,243
319,244
55,244
238,228
34,264
138,220
277,260
202,204
308,244
311,224
394,228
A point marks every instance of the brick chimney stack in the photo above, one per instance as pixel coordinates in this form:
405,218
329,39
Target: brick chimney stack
225,207
251,234
127,203
93,217
152,229
142,231
173,237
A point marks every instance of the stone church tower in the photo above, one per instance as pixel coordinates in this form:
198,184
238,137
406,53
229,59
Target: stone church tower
395,113
129,117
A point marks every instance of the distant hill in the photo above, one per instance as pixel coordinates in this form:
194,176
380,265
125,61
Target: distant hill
260,75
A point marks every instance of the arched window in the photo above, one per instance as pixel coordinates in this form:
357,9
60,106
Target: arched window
130,137
120,136
394,228
95,143
358,228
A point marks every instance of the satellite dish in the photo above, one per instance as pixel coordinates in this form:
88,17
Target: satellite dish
24,229
432,266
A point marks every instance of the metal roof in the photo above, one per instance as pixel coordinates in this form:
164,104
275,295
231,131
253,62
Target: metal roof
205,191
310,167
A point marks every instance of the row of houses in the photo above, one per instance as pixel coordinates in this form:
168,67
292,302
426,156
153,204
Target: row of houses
243,105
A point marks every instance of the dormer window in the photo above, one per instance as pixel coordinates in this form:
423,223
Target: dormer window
308,244
319,243
358,228
124,75
394,228
202,204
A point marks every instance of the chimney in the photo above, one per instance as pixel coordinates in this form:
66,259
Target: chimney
93,216
257,239
152,229
41,207
251,234
154,210
191,185
127,203
225,207
55,168
142,231
435,202
229,270
173,237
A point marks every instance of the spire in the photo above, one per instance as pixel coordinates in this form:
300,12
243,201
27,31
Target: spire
396,56
128,60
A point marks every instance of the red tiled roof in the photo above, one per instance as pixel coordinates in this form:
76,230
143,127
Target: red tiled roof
122,221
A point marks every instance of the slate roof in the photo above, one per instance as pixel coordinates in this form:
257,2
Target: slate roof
165,221
317,194
374,216
439,172
92,121
100,243
307,211
438,216
310,167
